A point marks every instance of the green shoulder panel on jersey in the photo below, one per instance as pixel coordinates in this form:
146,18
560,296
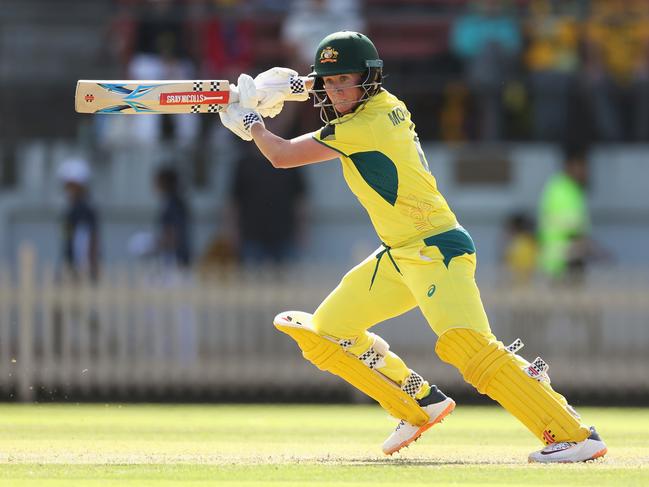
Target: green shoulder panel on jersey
379,172
328,132
327,145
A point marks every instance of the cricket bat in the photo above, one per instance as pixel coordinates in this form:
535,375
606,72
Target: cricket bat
138,97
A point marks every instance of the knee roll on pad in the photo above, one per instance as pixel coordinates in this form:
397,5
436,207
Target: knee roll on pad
330,354
497,372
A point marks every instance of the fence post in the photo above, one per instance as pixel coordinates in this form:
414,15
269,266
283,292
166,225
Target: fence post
25,362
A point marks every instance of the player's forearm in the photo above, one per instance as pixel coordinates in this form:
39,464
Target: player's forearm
276,149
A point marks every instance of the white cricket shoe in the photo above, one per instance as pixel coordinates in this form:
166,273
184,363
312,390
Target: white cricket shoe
570,452
405,433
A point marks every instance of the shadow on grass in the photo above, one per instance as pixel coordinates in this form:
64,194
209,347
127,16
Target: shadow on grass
415,462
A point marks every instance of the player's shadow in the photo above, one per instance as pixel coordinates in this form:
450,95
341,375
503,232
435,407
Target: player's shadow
414,462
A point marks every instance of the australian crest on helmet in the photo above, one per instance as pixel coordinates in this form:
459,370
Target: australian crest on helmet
328,55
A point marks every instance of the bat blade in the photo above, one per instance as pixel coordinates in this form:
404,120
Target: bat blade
138,97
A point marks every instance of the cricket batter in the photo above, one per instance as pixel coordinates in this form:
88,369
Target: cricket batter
426,258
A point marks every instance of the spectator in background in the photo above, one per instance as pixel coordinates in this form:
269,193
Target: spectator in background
565,243
640,90
173,243
520,249
160,52
552,58
640,75
488,41
80,222
169,249
267,210
173,249
601,86
564,221
453,115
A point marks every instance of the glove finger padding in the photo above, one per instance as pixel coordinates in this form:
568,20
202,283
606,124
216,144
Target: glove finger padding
268,101
278,85
248,96
275,77
271,112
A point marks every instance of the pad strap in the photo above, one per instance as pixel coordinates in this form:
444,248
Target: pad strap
412,384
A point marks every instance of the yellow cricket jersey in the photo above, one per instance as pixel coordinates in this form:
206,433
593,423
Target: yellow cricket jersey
386,169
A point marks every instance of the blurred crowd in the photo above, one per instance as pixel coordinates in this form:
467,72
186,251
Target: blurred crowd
476,70
571,72
557,242
264,222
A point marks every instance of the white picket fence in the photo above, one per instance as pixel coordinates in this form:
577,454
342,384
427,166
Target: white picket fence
140,333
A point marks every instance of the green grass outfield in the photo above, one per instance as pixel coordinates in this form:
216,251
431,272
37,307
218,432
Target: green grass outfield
142,445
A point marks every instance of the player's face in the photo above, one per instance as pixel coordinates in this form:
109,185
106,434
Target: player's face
342,91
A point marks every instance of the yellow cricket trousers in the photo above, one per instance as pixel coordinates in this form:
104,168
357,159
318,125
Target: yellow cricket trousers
435,273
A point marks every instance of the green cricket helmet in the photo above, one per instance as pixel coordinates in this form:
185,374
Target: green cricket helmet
345,52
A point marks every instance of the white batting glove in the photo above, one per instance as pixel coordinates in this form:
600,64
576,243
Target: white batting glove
283,80
240,120
270,89
249,97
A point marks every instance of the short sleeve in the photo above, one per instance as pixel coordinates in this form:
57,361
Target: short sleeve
346,138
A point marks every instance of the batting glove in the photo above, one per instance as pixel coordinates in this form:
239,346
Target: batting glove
240,120
270,89
268,105
283,80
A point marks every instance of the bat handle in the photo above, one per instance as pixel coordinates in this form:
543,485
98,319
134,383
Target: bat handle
233,97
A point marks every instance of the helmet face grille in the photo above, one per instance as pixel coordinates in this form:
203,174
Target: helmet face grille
371,85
